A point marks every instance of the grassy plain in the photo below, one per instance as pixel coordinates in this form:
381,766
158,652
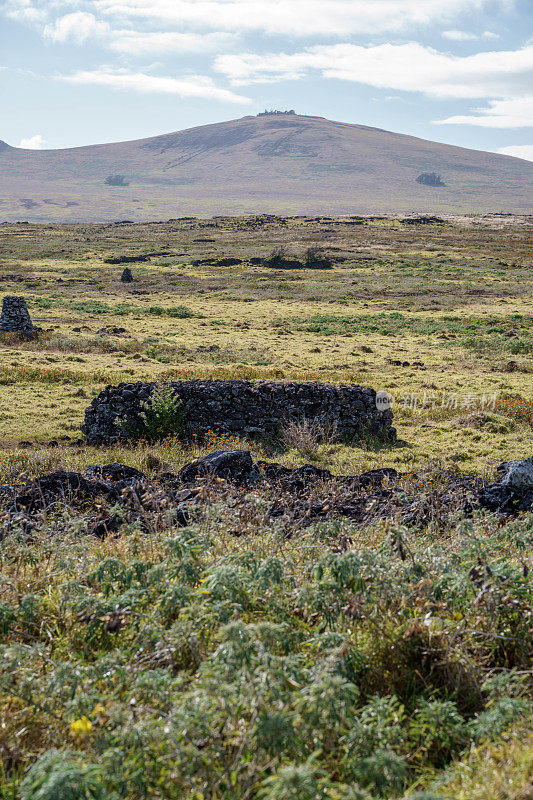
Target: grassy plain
438,315
244,658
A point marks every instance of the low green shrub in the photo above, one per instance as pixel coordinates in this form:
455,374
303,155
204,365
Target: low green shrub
162,416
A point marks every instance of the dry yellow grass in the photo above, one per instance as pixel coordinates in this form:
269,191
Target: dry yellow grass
462,291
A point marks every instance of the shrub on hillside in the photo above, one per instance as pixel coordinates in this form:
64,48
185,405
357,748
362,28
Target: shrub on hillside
430,179
116,180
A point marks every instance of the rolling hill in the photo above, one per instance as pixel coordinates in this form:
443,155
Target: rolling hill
285,164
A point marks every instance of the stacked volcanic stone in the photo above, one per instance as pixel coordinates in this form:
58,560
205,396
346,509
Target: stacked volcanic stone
15,317
254,409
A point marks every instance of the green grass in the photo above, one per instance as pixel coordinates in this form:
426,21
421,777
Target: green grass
452,297
242,658
477,334
120,309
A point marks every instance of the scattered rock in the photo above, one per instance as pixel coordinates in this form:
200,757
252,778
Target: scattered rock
303,494
283,263
58,486
513,491
424,220
375,477
114,473
294,480
519,475
208,348
217,262
102,526
235,466
125,259
111,330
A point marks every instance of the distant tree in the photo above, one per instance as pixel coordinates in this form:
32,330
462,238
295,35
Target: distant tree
116,180
430,179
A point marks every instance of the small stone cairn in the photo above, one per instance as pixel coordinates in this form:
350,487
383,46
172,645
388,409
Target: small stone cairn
126,277
15,317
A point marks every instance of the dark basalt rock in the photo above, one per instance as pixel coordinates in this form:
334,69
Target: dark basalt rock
114,472
498,497
101,527
513,491
125,259
304,494
375,477
283,263
235,466
59,486
15,317
217,262
126,276
424,220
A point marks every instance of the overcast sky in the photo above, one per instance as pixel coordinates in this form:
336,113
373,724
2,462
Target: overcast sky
75,72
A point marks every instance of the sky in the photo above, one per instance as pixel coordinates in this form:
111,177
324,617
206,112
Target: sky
76,72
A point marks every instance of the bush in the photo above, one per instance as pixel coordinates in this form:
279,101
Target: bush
315,258
311,439
116,180
430,179
162,416
62,776
280,259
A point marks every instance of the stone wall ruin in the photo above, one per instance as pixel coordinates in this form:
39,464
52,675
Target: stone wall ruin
253,409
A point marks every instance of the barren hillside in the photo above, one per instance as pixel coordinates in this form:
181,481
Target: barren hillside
286,164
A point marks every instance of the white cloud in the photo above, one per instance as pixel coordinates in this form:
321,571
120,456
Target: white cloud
459,36
296,17
465,36
23,11
75,27
511,112
187,86
519,151
79,26
407,67
32,142
136,42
